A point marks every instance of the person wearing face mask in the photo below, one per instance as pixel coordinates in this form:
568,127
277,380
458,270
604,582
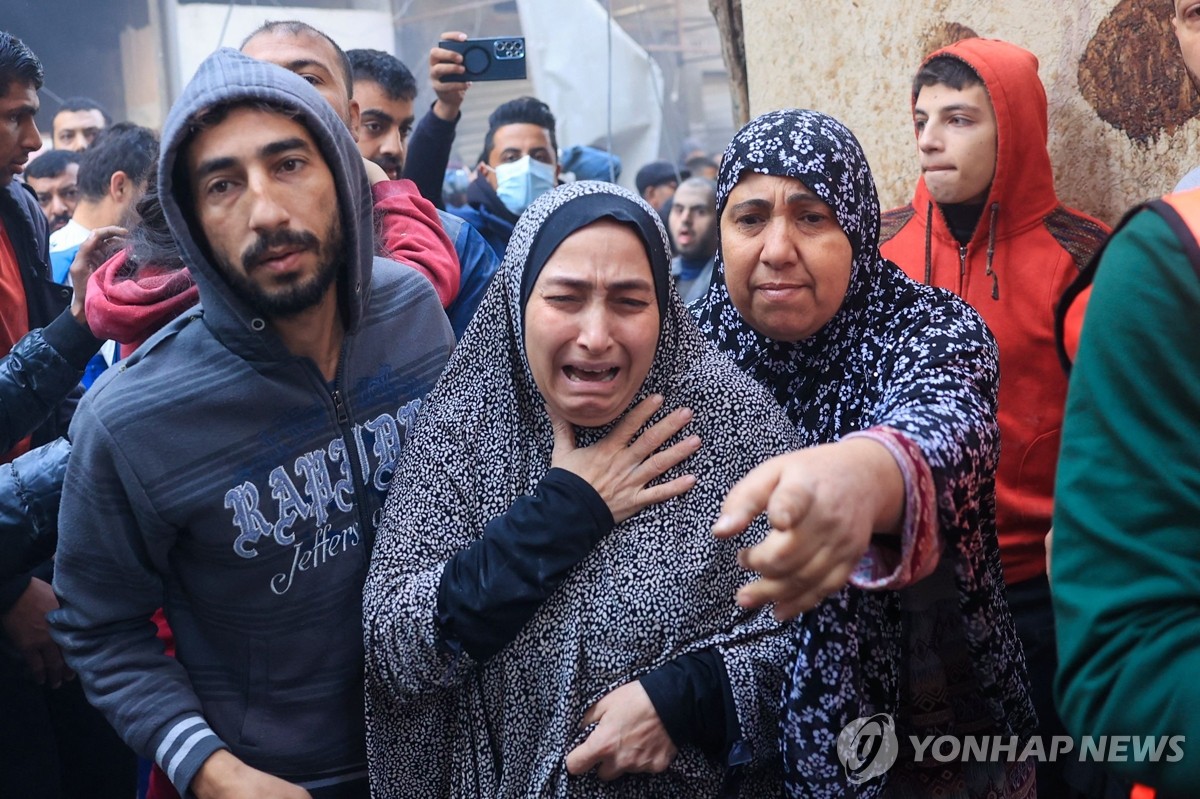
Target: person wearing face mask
519,163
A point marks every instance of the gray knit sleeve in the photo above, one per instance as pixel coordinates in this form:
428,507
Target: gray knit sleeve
112,548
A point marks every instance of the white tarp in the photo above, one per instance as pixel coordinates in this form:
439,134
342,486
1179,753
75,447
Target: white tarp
199,28
566,42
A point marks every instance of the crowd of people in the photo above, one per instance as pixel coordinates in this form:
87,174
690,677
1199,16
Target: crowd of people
326,476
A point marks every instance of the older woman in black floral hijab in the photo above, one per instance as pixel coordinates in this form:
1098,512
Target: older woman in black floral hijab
884,524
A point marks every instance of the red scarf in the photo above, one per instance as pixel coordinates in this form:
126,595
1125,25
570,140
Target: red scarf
128,306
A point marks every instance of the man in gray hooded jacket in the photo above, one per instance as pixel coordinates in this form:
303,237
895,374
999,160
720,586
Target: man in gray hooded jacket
233,469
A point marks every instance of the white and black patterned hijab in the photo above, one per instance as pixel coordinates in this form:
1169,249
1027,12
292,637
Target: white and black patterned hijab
657,586
816,379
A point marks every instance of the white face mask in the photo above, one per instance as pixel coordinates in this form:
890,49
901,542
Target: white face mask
521,182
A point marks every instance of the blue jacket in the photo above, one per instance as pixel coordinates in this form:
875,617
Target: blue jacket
479,263
487,214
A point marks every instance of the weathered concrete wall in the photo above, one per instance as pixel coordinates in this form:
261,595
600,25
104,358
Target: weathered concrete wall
1122,113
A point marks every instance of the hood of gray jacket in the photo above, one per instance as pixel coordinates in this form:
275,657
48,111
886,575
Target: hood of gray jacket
228,76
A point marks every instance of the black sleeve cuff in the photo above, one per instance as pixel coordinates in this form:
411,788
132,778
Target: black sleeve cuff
437,125
11,589
694,701
73,341
490,589
589,499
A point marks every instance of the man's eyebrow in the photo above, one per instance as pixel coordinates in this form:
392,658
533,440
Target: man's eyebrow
378,116
212,165
953,108
305,63
206,168
283,145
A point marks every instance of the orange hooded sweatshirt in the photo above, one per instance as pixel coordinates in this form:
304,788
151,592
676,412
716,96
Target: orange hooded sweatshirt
1027,247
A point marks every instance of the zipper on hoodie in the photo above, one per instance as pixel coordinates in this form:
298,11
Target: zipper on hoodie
340,407
352,455
962,270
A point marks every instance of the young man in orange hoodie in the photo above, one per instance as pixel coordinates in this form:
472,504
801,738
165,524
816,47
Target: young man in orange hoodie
985,223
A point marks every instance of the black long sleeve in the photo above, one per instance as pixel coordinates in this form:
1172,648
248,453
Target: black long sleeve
694,701
428,155
30,490
490,589
39,373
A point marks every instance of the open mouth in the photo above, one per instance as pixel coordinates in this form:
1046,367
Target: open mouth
580,375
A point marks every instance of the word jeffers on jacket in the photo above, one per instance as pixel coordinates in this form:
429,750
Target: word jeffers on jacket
324,547
320,492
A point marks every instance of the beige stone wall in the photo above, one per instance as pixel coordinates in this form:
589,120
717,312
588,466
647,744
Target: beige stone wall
1128,134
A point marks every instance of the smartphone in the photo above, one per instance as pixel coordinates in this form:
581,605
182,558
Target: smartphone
499,58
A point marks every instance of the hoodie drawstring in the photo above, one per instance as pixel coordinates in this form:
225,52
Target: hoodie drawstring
991,251
928,233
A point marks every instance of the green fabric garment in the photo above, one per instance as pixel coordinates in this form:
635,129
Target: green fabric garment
1126,553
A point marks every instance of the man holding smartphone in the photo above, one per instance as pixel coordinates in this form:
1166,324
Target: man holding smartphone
519,163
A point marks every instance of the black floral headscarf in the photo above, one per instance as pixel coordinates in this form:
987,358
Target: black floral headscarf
814,378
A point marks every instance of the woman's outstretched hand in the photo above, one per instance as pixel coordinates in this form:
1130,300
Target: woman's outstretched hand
621,467
823,503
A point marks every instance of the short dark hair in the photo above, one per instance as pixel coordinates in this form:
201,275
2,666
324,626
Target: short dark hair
386,70
18,63
84,104
656,173
523,110
294,27
125,147
51,164
946,70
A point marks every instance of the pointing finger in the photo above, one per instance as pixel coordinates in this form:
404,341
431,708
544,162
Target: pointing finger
747,499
